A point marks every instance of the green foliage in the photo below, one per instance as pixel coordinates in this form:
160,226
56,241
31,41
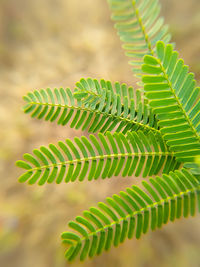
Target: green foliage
132,213
172,93
194,166
95,106
103,157
139,27
137,134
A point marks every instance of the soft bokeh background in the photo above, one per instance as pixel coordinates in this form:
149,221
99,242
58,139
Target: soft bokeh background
48,43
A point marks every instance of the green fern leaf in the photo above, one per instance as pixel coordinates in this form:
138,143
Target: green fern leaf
174,98
96,106
153,133
132,213
103,157
139,28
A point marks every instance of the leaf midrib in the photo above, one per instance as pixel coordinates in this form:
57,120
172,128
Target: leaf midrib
105,156
95,111
146,36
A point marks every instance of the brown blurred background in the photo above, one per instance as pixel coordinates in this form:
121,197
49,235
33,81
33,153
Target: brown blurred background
46,43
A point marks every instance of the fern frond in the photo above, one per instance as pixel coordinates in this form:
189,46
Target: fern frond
119,97
96,106
174,97
103,157
131,214
139,27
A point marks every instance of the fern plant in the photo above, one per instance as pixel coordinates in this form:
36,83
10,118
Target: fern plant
153,131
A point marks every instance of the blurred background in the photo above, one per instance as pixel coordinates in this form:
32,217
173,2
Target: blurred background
47,43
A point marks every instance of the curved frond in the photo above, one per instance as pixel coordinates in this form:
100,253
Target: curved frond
174,97
105,156
96,106
139,27
132,213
